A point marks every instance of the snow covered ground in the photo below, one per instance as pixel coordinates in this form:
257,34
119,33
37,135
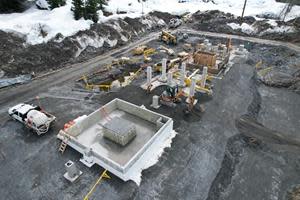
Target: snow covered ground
250,29
30,23
235,7
60,20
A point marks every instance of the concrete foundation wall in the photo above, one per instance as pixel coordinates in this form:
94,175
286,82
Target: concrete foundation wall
167,127
147,115
163,124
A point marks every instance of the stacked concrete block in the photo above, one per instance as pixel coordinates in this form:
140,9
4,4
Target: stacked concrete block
119,131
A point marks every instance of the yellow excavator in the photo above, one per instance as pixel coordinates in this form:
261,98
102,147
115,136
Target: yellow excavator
89,86
168,38
139,50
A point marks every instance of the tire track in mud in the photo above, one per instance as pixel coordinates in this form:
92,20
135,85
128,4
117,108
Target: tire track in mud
235,145
252,134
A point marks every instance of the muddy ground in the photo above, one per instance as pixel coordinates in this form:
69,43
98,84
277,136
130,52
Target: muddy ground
244,146
217,21
18,57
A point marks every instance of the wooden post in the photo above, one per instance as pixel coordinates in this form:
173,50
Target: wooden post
243,11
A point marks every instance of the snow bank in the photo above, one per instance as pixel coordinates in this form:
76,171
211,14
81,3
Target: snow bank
250,29
30,23
246,28
150,158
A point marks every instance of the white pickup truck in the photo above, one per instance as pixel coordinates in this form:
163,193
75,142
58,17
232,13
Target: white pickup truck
32,117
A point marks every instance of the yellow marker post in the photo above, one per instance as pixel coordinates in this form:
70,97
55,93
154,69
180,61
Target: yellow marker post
103,175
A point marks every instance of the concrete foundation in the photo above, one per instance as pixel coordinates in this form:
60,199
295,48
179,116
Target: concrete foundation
86,137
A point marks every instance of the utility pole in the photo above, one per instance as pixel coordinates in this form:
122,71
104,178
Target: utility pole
243,11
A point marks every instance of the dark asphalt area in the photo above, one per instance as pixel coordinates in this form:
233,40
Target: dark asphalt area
244,146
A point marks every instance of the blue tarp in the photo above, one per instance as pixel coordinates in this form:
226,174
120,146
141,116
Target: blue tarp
4,82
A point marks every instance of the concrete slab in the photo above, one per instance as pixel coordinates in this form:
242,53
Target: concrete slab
87,137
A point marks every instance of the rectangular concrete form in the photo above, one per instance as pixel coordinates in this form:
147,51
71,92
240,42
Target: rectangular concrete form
87,137
119,130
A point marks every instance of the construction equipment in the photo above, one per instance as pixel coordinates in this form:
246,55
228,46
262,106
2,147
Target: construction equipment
132,77
175,22
139,50
33,117
89,86
124,60
168,38
171,96
170,64
148,52
169,51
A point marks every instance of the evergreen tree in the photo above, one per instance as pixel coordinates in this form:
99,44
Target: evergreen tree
56,3
87,9
91,9
78,9
101,3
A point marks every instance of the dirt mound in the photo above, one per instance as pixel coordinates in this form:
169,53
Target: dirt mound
162,15
277,79
217,21
17,57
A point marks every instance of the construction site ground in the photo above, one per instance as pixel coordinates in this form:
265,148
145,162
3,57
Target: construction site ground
245,145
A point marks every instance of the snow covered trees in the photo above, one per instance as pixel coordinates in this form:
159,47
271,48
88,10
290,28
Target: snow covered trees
101,3
78,9
87,9
56,3
91,8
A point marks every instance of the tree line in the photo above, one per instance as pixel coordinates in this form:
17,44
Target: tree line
81,8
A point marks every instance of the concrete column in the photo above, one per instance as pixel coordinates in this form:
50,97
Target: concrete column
204,75
182,75
241,48
170,78
155,102
206,41
72,171
192,87
163,76
149,75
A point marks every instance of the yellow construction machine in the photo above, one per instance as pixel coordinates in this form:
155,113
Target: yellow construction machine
147,53
170,64
168,38
89,86
139,50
